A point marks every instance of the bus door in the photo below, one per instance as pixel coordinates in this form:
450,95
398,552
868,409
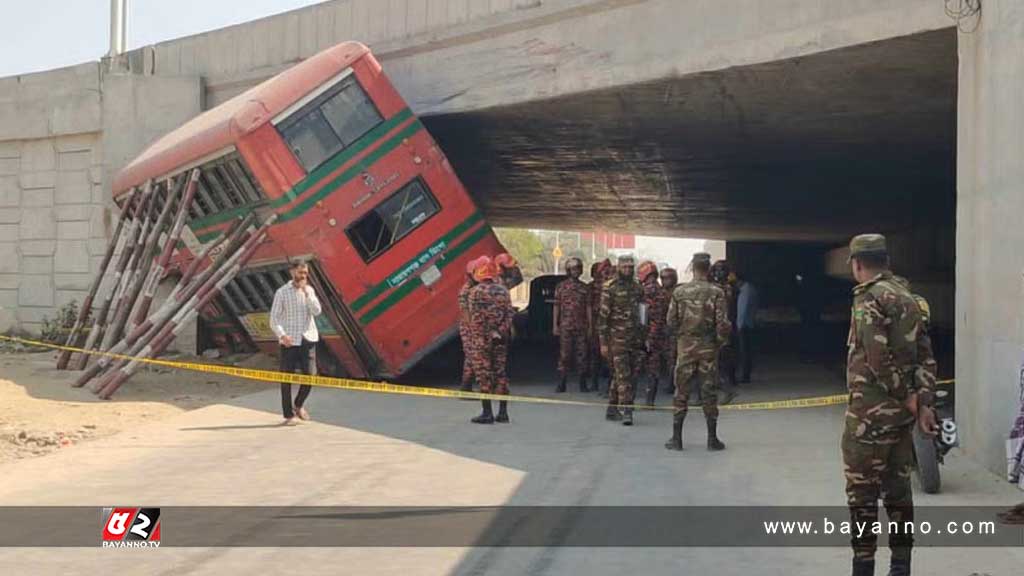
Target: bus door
344,322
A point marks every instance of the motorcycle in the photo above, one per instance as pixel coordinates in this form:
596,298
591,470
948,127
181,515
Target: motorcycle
930,451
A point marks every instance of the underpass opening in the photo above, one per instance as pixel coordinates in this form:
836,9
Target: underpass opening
784,160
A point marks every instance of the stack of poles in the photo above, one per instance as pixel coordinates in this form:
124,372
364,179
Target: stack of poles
132,331
76,338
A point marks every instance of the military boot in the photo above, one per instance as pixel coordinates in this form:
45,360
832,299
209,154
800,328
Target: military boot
863,567
583,384
899,567
613,413
561,386
502,411
485,417
714,443
652,391
676,441
627,416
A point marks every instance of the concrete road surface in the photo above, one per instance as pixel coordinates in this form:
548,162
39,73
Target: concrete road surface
375,449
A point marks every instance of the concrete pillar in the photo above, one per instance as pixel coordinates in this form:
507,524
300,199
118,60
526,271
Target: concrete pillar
990,201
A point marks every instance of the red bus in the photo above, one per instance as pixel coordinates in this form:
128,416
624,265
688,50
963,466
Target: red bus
361,191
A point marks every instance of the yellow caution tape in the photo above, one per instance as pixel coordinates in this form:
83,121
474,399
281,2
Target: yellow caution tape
388,388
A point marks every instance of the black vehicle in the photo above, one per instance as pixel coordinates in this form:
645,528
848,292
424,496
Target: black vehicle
536,322
929,452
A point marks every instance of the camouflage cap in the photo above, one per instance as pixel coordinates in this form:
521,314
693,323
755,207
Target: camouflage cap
865,244
626,260
702,257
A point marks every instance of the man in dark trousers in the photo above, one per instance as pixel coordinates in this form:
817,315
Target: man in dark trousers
292,320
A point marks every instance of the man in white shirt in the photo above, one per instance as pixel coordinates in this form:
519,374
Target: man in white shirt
292,320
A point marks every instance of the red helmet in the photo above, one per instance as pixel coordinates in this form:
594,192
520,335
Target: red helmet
470,266
505,260
484,269
604,266
646,269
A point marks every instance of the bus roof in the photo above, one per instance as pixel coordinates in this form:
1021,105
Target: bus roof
221,126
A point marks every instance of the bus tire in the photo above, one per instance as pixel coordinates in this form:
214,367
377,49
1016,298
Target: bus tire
927,463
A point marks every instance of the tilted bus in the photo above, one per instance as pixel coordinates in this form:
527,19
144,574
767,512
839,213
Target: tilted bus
360,189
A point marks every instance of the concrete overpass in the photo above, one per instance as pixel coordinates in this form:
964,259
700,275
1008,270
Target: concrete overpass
755,120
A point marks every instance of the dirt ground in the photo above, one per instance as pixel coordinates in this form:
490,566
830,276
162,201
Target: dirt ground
40,412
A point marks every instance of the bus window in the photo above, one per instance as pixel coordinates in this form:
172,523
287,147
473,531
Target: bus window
392,219
330,123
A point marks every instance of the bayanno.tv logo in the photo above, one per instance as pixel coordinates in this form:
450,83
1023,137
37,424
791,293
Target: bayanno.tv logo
131,527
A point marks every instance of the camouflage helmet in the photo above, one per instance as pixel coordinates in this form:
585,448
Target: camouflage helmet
574,262
484,269
626,260
669,274
702,257
604,266
645,269
868,245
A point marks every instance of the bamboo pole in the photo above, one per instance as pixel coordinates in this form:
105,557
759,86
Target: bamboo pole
134,287
76,337
181,293
127,250
149,288
170,331
138,340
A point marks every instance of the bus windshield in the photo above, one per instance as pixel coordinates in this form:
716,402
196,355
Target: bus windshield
392,219
329,123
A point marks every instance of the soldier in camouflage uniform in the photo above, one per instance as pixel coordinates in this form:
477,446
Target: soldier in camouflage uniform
465,333
697,317
891,378
669,280
490,311
619,329
598,274
655,337
572,323
722,277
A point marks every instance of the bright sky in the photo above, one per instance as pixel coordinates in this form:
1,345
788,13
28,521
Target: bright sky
43,34
676,251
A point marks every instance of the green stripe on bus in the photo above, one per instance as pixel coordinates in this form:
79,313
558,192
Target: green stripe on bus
405,289
353,171
347,154
384,286
313,177
301,208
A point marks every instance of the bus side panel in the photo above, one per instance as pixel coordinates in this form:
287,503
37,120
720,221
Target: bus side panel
270,160
410,316
388,101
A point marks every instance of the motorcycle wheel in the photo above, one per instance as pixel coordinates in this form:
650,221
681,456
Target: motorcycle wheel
927,463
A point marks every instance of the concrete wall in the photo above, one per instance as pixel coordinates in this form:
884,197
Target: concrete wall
497,52
62,135
53,222
235,58
990,262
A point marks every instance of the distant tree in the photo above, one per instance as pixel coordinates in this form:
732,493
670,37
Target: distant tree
526,247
